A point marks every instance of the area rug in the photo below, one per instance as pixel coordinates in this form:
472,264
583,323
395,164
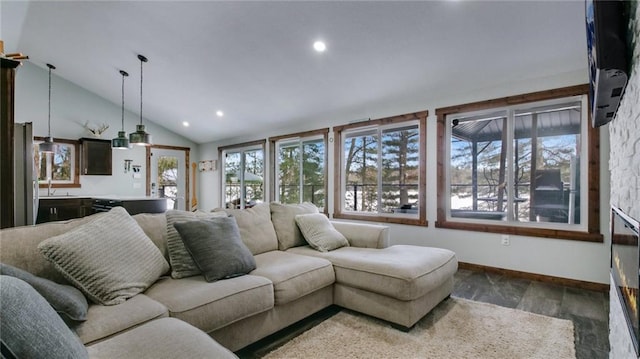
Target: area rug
456,328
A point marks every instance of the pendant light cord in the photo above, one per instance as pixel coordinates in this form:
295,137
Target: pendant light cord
123,75
49,116
141,61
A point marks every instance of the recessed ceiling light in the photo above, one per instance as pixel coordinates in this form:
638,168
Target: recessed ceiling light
319,46
185,123
219,113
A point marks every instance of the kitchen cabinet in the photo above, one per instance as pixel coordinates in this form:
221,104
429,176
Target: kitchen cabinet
63,208
96,156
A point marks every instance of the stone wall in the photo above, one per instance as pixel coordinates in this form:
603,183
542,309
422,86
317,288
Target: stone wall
624,165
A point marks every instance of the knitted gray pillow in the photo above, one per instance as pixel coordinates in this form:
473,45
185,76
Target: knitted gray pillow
182,264
31,328
217,248
65,299
110,259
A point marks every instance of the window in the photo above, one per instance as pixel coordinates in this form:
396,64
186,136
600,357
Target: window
381,172
300,167
520,165
243,174
59,167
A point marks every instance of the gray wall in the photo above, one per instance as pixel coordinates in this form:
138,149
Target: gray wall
71,107
624,164
561,258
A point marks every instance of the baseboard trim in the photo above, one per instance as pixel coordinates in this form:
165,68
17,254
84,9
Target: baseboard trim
599,287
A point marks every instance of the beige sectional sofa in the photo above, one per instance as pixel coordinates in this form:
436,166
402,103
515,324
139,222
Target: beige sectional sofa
291,281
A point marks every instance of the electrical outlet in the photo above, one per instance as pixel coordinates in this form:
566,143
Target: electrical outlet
506,240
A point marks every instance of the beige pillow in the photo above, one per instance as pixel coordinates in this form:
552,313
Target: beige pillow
256,229
320,233
109,259
182,264
283,217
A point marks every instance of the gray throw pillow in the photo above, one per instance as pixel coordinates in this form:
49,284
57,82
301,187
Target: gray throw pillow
320,233
110,259
182,264
283,217
65,299
216,247
30,326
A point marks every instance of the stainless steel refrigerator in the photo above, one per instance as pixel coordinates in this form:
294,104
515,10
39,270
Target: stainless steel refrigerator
26,176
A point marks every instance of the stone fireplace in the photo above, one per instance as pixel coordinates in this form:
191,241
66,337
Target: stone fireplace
624,166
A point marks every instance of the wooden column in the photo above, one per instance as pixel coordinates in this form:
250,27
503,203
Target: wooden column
7,83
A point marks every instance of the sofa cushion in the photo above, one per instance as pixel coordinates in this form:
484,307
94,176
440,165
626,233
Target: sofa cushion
182,264
320,233
109,259
403,272
65,299
283,217
154,226
30,326
212,305
165,338
256,229
105,321
293,276
216,247
20,246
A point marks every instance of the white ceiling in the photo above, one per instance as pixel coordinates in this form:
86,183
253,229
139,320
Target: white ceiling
255,61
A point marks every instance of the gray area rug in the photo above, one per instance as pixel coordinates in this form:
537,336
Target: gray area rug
456,328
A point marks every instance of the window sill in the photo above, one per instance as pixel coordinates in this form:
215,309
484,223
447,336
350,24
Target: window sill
383,219
60,185
523,231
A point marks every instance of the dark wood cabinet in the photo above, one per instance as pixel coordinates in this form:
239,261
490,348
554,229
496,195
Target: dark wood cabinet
96,156
60,209
7,101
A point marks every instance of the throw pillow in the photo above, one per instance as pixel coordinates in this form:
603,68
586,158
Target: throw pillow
320,233
109,259
65,299
30,326
256,229
283,217
216,247
182,264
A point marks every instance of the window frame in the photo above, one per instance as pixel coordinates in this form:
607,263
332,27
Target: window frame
242,148
75,183
592,233
339,179
300,137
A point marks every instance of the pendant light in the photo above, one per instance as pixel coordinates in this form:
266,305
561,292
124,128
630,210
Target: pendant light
140,137
121,142
48,146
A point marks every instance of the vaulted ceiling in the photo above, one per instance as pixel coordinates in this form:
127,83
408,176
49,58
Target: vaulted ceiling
255,61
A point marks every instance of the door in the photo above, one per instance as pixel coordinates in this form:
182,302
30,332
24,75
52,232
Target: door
168,176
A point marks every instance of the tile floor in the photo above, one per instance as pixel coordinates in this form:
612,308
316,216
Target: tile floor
588,310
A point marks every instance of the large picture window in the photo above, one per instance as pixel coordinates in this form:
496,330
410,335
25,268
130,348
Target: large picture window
242,174
519,166
300,168
381,170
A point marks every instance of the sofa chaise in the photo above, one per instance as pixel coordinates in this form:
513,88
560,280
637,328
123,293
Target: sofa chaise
291,281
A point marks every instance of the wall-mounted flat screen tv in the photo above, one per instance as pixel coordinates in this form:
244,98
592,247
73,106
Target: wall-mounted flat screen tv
607,52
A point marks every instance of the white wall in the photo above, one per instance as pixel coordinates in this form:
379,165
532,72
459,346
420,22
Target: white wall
624,132
71,107
562,258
